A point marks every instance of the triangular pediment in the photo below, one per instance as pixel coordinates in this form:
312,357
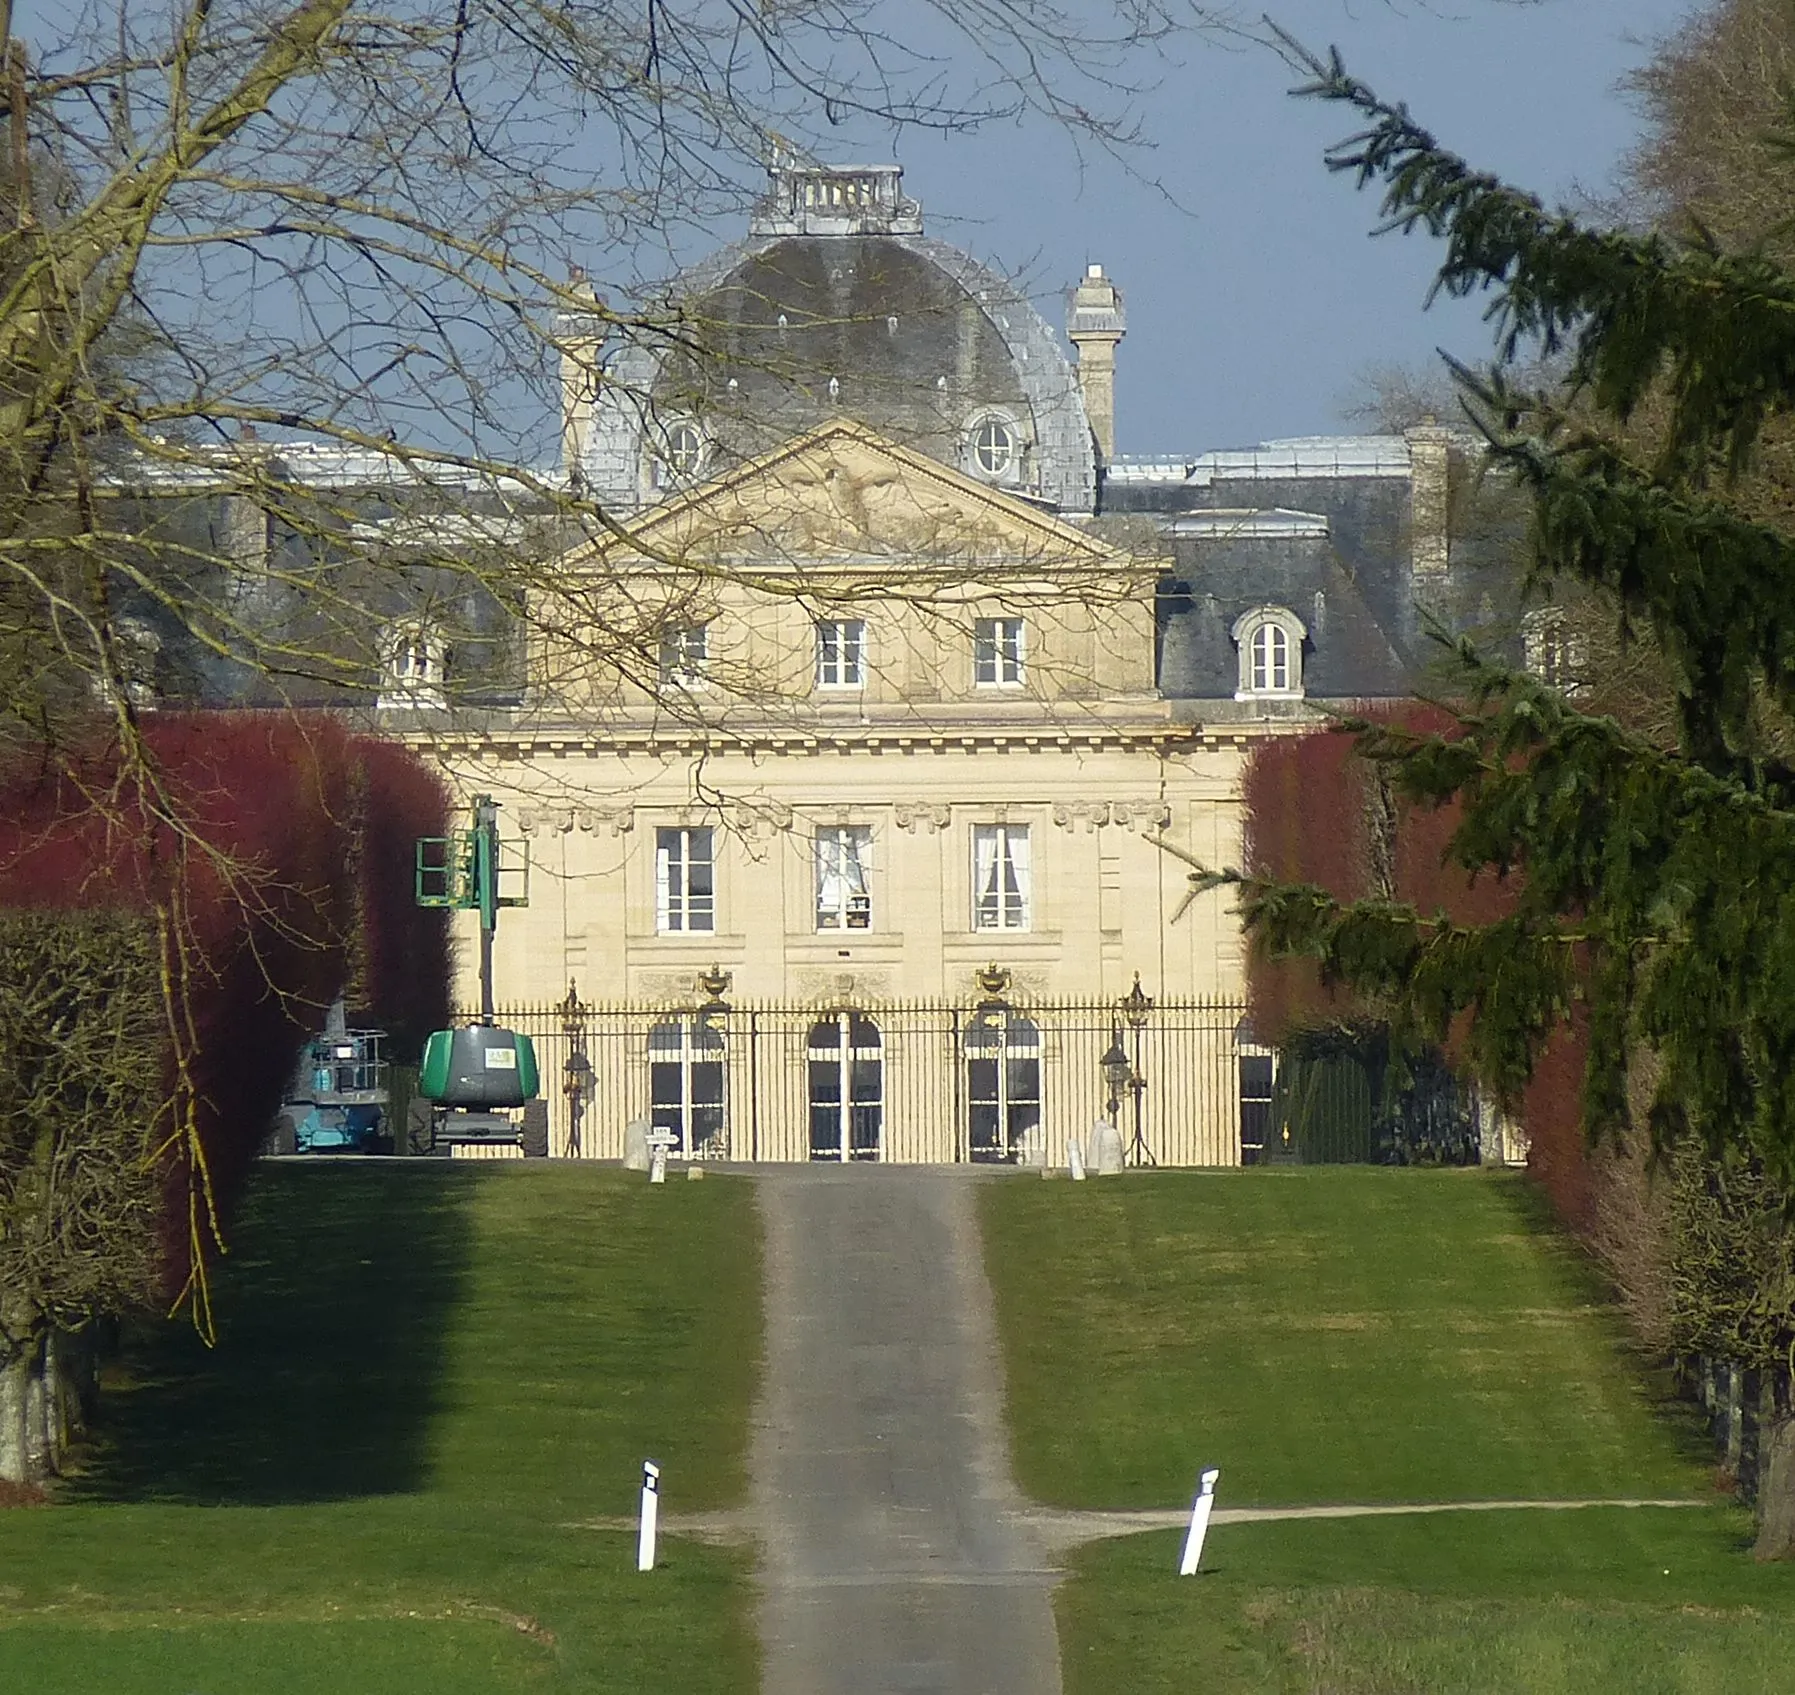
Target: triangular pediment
843,495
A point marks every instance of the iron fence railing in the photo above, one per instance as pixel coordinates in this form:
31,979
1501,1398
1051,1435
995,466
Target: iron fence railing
916,1083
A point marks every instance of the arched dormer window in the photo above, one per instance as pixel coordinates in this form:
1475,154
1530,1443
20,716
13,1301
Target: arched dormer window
414,659
994,447
1270,642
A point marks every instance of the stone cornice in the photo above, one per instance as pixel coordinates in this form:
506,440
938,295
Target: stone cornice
564,742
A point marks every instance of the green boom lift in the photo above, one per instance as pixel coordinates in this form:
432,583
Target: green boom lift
475,1076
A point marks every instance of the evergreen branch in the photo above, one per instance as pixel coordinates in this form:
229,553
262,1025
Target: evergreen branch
1632,309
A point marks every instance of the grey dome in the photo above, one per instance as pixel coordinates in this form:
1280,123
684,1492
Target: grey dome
838,306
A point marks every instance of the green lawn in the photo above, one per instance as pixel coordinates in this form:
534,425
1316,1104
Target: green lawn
1329,1334
1649,1602
1356,1335
427,1376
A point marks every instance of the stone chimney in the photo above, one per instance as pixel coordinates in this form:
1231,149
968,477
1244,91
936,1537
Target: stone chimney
1095,324
582,340
1430,499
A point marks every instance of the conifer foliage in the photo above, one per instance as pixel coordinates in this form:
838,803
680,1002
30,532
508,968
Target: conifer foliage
1646,881
1651,886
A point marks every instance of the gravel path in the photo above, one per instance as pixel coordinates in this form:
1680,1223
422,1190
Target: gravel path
897,1553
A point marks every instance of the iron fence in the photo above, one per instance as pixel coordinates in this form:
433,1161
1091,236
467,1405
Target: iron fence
917,1083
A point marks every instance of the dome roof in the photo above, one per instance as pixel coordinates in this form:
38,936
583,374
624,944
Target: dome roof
837,305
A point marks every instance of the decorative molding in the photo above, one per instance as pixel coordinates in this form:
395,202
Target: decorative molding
1142,814
932,816
616,819
531,820
763,819
1130,814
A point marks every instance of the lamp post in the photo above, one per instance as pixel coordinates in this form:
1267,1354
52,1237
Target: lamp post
577,1077
1117,1072
1135,1007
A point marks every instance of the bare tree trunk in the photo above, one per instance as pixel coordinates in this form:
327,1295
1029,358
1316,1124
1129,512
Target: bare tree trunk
15,1380
1776,1471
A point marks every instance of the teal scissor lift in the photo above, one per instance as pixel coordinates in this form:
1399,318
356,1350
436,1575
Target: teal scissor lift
475,1076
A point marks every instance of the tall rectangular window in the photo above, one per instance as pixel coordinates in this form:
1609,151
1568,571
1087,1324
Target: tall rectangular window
841,653
685,655
844,897
1000,877
996,652
685,882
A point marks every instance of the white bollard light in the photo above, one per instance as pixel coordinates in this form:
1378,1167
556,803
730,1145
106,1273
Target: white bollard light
1199,1523
1075,1159
651,1516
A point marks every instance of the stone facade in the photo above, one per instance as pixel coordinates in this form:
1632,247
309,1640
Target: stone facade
999,678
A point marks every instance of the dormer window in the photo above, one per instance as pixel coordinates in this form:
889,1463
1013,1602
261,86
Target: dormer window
1270,642
412,669
993,447
681,457
1554,650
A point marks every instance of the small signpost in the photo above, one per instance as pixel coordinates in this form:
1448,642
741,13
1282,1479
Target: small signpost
1199,1523
660,1144
651,1514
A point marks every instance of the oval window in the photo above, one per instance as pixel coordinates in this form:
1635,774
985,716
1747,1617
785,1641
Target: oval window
993,447
683,456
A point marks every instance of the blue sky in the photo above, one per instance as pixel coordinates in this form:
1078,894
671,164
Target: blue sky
1257,301
1255,309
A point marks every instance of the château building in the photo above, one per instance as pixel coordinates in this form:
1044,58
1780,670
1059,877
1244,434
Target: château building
861,762
943,697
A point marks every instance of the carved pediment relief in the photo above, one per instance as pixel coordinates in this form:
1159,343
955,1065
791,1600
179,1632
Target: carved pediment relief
845,492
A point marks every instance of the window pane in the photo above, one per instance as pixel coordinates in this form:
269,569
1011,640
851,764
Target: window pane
707,1127
664,1087
707,1083
984,651
825,1131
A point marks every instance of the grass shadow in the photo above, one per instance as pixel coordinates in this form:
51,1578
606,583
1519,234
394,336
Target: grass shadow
333,1308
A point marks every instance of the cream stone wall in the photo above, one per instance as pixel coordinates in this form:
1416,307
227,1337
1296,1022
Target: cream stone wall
841,524
1103,895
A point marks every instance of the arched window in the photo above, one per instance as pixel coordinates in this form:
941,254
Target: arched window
993,447
1270,640
1003,1085
686,1077
847,1088
413,661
